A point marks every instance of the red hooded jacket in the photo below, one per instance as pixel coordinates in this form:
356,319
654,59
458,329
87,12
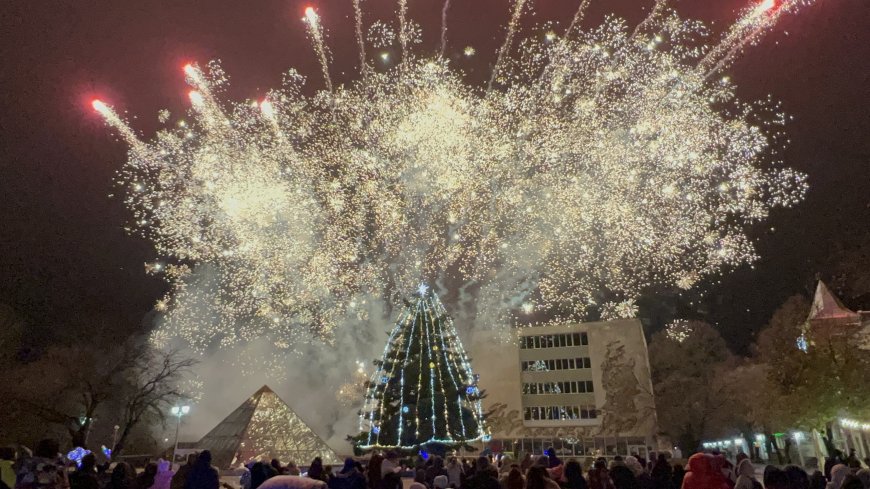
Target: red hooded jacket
700,474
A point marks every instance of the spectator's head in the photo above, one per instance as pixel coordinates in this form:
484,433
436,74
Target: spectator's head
276,464
89,463
7,453
797,477
47,448
482,463
440,482
573,470
204,458
818,481
600,463
191,458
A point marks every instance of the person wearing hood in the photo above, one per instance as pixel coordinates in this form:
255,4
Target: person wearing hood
700,474
348,477
838,475
746,476
163,479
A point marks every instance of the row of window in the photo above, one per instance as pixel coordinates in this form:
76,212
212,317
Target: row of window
559,413
554,340
556,364
572,387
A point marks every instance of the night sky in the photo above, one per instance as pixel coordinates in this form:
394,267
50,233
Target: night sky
66,264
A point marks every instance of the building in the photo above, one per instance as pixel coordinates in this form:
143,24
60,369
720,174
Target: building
583,389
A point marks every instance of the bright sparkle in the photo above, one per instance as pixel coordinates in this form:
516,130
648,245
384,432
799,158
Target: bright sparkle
604,161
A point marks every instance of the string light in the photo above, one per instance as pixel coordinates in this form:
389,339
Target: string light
437,342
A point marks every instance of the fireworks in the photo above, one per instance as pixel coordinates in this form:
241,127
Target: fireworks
599,163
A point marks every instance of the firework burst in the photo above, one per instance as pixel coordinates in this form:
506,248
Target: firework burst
595,162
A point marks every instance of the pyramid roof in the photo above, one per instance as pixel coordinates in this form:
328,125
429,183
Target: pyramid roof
827,306
264,427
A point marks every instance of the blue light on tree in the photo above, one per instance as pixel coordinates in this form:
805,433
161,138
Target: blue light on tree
802,344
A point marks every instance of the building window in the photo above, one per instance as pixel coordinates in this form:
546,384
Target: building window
566,387
554,341
559,413
557,364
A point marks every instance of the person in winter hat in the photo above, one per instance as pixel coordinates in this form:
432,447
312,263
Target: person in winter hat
701,475
746,476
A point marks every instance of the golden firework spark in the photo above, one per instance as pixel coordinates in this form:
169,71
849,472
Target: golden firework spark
610,159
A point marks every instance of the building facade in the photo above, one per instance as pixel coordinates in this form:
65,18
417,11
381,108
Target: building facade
582,389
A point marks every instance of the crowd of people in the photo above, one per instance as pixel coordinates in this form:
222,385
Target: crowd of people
702,471
45,468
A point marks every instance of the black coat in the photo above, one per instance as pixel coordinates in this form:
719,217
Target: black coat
623,478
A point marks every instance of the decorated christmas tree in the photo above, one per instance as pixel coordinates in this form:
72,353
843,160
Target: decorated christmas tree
423,392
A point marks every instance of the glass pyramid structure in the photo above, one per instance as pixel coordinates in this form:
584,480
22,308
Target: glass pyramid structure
264,427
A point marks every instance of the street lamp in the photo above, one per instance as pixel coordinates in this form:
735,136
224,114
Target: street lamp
178,412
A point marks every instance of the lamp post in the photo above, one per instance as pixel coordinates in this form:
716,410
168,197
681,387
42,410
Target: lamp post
178,412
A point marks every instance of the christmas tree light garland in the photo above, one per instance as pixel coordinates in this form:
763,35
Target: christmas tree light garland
438,355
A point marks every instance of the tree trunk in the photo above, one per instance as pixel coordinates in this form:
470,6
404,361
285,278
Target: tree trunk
771,442
788,444
119,445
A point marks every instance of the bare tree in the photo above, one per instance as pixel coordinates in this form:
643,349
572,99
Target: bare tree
153,386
